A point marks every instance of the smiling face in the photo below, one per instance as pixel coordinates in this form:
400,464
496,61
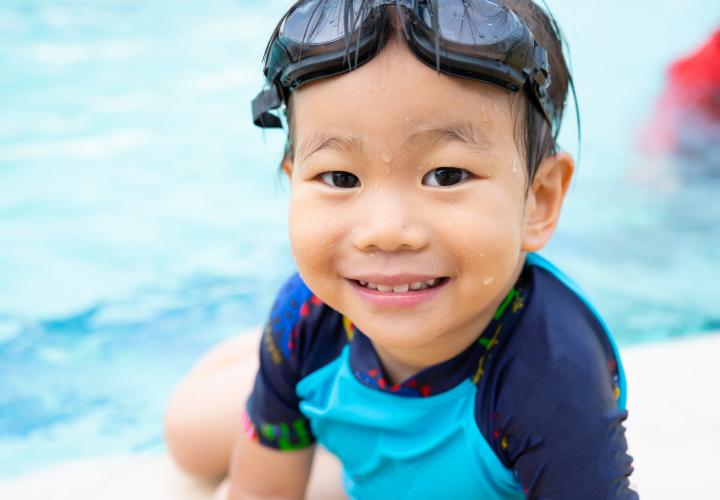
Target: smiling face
408,179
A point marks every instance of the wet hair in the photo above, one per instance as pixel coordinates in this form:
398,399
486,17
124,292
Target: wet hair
536,138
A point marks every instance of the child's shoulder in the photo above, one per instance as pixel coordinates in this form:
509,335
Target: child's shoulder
555,390
302,327
562,315
560,335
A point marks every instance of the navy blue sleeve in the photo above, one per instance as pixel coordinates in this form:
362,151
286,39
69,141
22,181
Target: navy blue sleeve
273,410
567,440
557,423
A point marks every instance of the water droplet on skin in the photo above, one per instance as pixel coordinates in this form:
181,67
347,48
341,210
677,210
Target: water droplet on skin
488,280
386,158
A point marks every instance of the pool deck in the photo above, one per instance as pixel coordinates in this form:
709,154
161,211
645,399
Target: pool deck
673,433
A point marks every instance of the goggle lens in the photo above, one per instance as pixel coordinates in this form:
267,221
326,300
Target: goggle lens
468,23
320,23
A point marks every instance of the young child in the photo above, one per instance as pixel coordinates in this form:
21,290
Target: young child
423,342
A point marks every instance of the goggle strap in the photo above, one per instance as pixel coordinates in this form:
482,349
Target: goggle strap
262,104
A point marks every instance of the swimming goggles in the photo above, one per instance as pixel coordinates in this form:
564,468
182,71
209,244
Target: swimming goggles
476,39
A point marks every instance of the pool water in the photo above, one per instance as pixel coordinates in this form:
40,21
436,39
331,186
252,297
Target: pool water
142,219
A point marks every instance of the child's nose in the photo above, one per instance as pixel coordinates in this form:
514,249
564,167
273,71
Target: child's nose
388,226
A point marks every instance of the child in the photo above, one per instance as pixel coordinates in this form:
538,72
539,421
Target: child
423,342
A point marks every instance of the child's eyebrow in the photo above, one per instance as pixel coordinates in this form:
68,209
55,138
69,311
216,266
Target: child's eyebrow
452,132
462,132
317,142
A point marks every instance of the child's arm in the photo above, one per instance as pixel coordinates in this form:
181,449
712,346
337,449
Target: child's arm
259,472
273,455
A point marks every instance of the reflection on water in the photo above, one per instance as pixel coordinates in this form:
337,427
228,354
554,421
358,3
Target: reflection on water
141,220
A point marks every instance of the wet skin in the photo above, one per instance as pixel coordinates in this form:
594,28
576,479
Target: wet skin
401,175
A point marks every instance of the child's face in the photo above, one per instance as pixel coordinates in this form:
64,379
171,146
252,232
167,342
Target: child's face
396,220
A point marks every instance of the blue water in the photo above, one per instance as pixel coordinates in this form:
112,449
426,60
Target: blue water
142,219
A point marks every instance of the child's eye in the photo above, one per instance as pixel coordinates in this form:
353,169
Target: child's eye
340,179
445,176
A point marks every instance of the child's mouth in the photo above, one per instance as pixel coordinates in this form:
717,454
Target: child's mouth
403,288
399,292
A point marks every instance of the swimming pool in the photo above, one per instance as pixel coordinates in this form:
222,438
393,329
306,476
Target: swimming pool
142,219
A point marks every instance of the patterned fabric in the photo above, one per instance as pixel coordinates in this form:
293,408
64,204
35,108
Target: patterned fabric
548,384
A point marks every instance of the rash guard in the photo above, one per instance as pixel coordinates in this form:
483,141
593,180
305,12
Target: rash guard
532,409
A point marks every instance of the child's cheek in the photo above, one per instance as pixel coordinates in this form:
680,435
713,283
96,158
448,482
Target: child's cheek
488,249
314,241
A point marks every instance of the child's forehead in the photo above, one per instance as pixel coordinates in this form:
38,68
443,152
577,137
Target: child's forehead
397,97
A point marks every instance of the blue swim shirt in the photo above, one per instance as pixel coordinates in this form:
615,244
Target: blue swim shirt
533,409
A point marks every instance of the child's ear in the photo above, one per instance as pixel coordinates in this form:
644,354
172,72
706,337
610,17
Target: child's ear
545,198
287,166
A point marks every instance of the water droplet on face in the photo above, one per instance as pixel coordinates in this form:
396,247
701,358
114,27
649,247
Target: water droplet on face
488,280
386,158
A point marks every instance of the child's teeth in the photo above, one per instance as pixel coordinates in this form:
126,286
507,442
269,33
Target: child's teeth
418,285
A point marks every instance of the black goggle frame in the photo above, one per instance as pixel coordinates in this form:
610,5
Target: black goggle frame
511,58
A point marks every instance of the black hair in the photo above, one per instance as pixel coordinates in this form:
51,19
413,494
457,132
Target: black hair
540,137
537,137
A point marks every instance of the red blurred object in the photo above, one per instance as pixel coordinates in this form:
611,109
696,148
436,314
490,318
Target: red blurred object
690,102
701,69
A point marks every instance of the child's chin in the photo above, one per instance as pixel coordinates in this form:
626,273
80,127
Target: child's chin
397,336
